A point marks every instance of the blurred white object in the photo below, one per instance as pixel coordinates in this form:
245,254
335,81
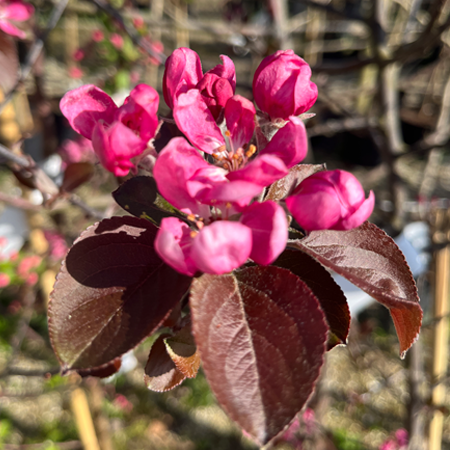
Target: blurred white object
413,242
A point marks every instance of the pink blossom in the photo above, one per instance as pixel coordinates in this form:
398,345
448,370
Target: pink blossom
98,36
217,248
79,55
211,243
282,86
12,11
115,145
332,200
117,134
184,73
135,76
116,40
75,72
4,280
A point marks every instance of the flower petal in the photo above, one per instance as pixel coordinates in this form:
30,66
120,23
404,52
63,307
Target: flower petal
85,106
221,247
115,145
240,119
359,216
12,30
175,165
263,170
225,70
290,143
196,121
139,111
269,227
173,244
18,11
183,72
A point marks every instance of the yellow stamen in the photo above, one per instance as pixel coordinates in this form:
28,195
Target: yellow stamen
251,151
191,217
227,133
193,234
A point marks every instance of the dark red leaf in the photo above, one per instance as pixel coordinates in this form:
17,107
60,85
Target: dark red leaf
76,174
183,351
161,373
371,260
9,62
112,291
137,196
261,336
103,371
331,298
282,188
171,360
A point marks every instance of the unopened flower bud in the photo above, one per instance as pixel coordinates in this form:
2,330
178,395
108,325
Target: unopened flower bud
330,200
282,86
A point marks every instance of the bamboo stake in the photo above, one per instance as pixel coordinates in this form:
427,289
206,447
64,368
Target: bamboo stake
440,350
83,420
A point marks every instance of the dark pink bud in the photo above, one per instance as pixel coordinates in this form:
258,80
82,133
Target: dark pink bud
330,200
183,72
218,85
282,86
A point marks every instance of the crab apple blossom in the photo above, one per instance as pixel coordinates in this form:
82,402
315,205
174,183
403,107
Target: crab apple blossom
117,134
330,200
282,86
14,11
219,246
184,72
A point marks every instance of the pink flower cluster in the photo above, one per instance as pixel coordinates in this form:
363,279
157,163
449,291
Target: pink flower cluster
117,134
12,11
218,173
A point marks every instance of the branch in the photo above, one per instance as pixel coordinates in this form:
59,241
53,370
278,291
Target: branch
35,51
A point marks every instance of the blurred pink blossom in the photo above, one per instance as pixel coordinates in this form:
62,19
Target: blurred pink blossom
98,36
390,444
116,40
4,280
402,437
32,279
79,55
75,72
12,11
123,403
78,150
57,244
27,264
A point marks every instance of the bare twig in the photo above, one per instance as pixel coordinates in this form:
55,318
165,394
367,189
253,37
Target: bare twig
36,50
21,161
